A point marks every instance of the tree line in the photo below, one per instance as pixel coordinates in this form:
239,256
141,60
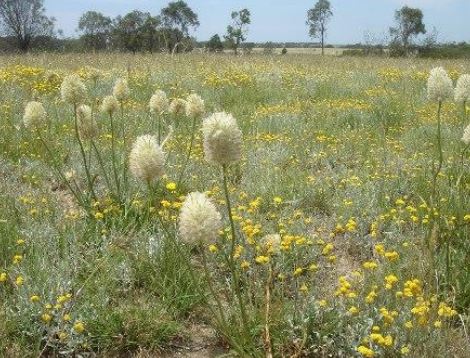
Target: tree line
25,25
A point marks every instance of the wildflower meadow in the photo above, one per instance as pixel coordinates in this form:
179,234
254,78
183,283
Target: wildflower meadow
207,205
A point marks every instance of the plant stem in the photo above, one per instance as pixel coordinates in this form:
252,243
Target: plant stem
113,157
212,290
100,162
124,139
267,338
233,268
56,167
188,155
448,270
229,210
159,129
82,151
439,147
434,195
464,113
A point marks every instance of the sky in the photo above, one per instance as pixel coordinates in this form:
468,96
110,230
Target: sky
284,20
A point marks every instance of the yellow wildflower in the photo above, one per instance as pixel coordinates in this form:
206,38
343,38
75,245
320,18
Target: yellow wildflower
79,327
365,351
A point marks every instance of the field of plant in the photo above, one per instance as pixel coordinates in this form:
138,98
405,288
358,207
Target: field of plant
200,206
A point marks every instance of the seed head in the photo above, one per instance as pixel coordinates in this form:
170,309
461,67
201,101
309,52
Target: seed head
159,103
199,220
194,106
440,87
86,124
146,159
109,105
73,90
34,115
222,139
178,107
121,90
462,89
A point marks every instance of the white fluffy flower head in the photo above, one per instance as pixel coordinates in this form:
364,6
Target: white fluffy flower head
462,89
440,86
177,107
159,103
109,105
466,135
121,89
73,90
222,139
86,124
34,115
199,220
194,106
146,160
93,73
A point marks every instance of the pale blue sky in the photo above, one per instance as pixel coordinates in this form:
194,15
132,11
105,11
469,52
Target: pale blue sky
284,20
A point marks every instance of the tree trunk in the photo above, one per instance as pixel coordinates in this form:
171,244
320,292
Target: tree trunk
322,40
24,44
406,45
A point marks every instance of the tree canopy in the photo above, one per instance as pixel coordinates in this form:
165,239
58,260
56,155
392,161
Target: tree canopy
178,18
24,21
96,29
215,44
409,23
236,32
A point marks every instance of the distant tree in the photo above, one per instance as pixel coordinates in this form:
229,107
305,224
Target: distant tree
96,29
317,19
236,32
409,24
24,21
284,51
151,35
215,44
179,18
128,31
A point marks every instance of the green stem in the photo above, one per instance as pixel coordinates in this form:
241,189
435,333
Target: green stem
441,155
124,139
188,155
229,210
113,158
100,162
159,129
56,167
464,113
267,333
435,196
82,151
233,268
210,284
448,271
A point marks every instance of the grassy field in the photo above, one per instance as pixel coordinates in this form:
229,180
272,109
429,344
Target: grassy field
337,51
348,236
